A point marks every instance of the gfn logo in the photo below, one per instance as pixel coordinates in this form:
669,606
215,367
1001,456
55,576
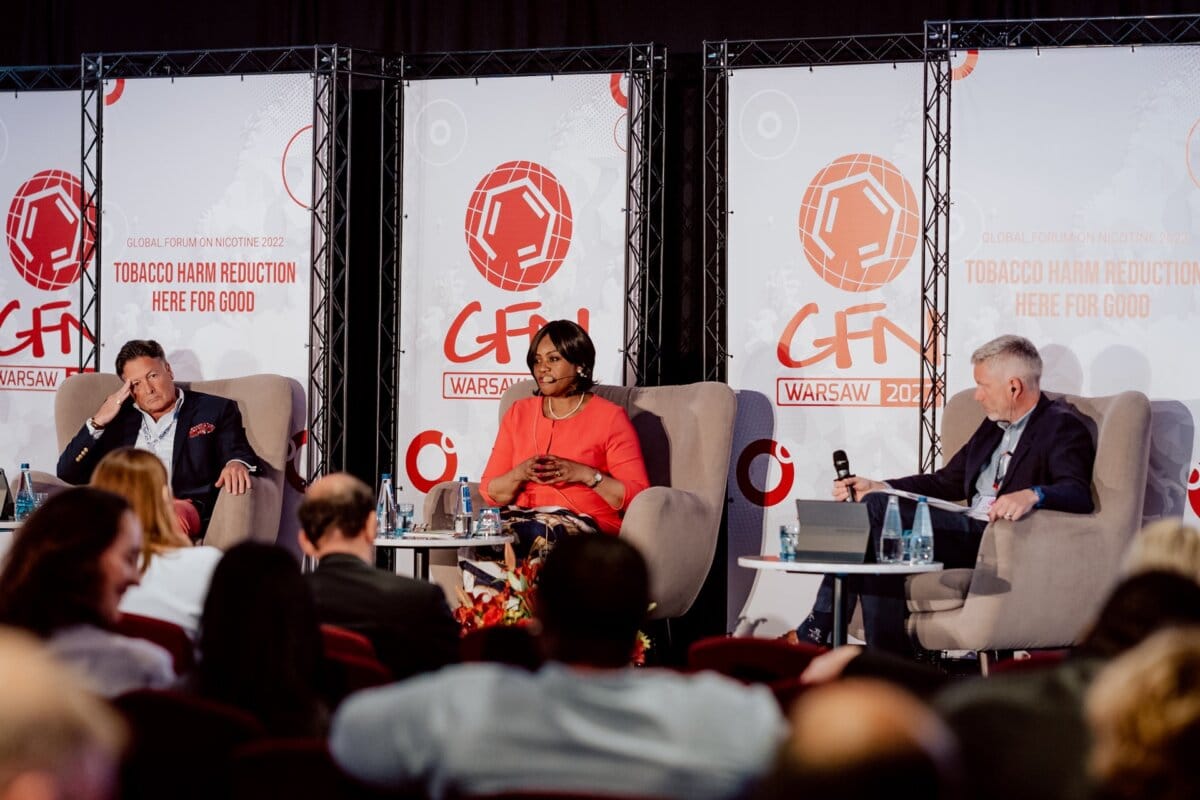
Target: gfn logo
43,230
859,222
415,459
518,226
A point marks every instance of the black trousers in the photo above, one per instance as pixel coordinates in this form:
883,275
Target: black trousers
956,540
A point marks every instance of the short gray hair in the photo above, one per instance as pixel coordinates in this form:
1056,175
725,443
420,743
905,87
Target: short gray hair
1018,353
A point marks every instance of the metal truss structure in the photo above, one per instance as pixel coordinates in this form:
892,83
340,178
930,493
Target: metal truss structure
335,70
935,245
942,40
720,58
645,66
32,79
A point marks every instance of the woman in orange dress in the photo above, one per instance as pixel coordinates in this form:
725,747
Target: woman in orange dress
565,461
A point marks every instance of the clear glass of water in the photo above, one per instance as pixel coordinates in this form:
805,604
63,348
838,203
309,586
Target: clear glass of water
789,541
891,549
489,521
404,518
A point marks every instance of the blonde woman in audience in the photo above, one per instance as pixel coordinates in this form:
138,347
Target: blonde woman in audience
1144,714
175,575
1167,545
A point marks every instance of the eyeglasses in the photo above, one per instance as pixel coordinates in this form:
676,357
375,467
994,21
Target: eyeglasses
1001,469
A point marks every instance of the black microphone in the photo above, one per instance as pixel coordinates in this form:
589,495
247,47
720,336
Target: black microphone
841,465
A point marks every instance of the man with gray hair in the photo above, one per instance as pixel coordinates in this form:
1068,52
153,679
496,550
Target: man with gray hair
1029,453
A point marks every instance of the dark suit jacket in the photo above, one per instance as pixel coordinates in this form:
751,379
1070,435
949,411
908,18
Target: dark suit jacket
406,619
1055,452
208,435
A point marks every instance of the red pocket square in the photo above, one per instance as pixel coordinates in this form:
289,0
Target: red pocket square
201,429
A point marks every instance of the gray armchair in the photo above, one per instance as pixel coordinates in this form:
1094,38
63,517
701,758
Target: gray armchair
1039,580
686,433
266,405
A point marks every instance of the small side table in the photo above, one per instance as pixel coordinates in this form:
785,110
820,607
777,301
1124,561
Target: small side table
421,542
839,572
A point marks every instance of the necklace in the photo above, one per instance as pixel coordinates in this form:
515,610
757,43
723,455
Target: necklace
571,413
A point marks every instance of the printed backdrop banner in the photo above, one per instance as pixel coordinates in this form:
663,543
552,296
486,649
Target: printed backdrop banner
1076,190
824,300
39,269
514,198
207,230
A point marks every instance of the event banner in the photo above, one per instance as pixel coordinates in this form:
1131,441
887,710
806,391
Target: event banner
824,300
207,230
1075,189
514,215
39,270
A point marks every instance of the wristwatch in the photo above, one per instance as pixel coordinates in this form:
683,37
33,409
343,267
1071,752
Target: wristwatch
599,476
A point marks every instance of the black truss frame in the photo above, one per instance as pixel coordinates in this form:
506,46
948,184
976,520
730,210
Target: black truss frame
720,57
32,79
942,39
645,163
335,70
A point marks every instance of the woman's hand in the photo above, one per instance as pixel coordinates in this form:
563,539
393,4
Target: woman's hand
551,469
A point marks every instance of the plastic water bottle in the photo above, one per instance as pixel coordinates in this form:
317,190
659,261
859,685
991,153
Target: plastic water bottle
463,515
26,502
891,537
385,508
922,535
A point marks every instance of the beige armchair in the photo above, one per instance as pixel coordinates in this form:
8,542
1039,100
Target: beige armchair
266,405
1038,581
686,433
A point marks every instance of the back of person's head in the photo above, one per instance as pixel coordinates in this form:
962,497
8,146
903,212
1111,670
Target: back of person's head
52,576
56,738
338,503
592,596
862,738
1168,545
1139,606
260,643
139,477
1144,713
138,348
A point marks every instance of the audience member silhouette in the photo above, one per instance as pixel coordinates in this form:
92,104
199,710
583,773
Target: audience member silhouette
1144,712
584,722
407,620
260,644
57,740
63,579
861,739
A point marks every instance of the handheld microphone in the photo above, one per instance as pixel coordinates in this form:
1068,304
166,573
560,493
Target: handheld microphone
841,465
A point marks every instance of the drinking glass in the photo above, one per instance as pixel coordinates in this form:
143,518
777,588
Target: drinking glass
404,518
489,522
789,541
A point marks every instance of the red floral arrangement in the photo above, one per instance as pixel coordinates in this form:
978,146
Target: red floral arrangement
513,603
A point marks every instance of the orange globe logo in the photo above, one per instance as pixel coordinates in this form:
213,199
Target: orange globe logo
859,223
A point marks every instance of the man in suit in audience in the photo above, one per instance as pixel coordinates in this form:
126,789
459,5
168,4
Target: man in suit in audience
407,620
199,437
585,722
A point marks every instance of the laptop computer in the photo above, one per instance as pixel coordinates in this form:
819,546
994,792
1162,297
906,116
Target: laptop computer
832,532
6,498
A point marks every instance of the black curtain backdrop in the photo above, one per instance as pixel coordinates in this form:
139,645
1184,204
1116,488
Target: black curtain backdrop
38,32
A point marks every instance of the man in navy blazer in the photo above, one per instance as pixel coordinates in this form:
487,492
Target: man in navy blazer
1030,453
198,437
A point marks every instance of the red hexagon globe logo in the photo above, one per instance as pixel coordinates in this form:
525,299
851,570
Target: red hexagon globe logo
518,226
43,230
859,223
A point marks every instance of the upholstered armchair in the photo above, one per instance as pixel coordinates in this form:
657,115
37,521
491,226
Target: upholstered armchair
1038,581
266,405
686,433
